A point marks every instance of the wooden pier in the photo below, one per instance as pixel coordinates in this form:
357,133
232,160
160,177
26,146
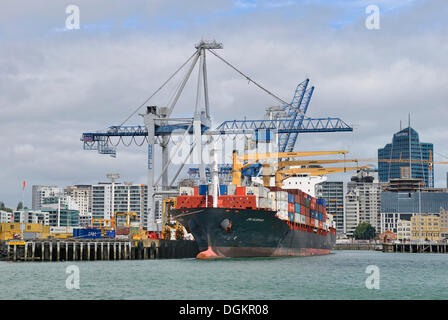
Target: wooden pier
416,247
94,250
358,246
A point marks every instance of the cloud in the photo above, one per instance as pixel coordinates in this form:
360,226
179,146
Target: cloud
56,85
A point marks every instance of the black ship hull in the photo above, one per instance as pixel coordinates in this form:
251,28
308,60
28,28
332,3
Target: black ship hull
221,232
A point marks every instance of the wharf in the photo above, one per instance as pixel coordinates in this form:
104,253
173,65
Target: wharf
93,250
416,247
358,246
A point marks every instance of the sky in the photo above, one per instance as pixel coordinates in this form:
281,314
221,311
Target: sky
56,83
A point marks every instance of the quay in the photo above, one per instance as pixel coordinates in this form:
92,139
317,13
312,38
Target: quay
90,250
415,247
358,246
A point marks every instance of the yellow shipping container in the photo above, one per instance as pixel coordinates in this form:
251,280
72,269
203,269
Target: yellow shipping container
33,227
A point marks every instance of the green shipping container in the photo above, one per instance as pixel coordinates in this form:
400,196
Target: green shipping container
307,202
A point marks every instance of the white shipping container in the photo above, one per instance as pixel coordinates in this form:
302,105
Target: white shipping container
186,191
264,192
272,195
253,190
316,223
302,219
282,196
58,230
282,205
283,215
231,189
272,204
263,203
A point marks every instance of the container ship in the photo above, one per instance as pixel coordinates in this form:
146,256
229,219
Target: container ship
255,221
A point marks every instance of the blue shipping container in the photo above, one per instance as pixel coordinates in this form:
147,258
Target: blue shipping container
110,234
291,216
321,216
297,208
87,233
291,198
222,189
203,189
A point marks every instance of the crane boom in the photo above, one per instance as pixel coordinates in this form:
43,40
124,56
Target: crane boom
278,155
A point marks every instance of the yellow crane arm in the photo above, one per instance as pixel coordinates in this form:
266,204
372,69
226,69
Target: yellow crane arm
277,155
283,164
319,171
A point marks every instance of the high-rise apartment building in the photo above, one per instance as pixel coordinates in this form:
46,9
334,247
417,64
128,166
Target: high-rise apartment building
82,196
126,197
406,146
351,214
333,193
39,193
364,202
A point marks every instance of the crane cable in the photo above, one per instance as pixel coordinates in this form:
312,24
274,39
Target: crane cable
160,88
249,79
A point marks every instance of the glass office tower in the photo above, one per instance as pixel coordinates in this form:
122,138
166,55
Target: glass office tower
406,145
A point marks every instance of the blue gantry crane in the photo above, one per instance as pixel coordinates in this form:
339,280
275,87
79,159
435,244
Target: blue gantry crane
287,121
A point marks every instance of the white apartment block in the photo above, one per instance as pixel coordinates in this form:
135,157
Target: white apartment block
82,196
351,214
368,198
32,216
132,197
6,217
403,230
39,193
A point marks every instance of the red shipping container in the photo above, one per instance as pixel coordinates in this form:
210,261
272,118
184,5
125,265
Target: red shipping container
307,220
196,191
312,223
240,191
321,225
290,207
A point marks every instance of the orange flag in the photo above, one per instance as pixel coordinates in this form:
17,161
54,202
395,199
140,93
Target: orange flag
23,184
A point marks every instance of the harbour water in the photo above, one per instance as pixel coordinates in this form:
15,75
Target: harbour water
340,275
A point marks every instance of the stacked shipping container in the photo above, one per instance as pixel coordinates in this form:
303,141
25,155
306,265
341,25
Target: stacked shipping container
291,205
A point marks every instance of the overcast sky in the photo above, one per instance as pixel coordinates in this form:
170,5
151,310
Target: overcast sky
57,83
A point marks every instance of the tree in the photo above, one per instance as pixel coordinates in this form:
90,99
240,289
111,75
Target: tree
3,207
20,206
364,231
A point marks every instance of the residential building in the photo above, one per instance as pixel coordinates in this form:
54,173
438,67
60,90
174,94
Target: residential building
39,193
364,197
404,230
82,196
425,227
351,213
443,223
31,216
126,197
6,217
406,145
333,193
62,211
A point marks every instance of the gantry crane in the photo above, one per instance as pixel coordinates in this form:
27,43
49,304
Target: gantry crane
159,126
